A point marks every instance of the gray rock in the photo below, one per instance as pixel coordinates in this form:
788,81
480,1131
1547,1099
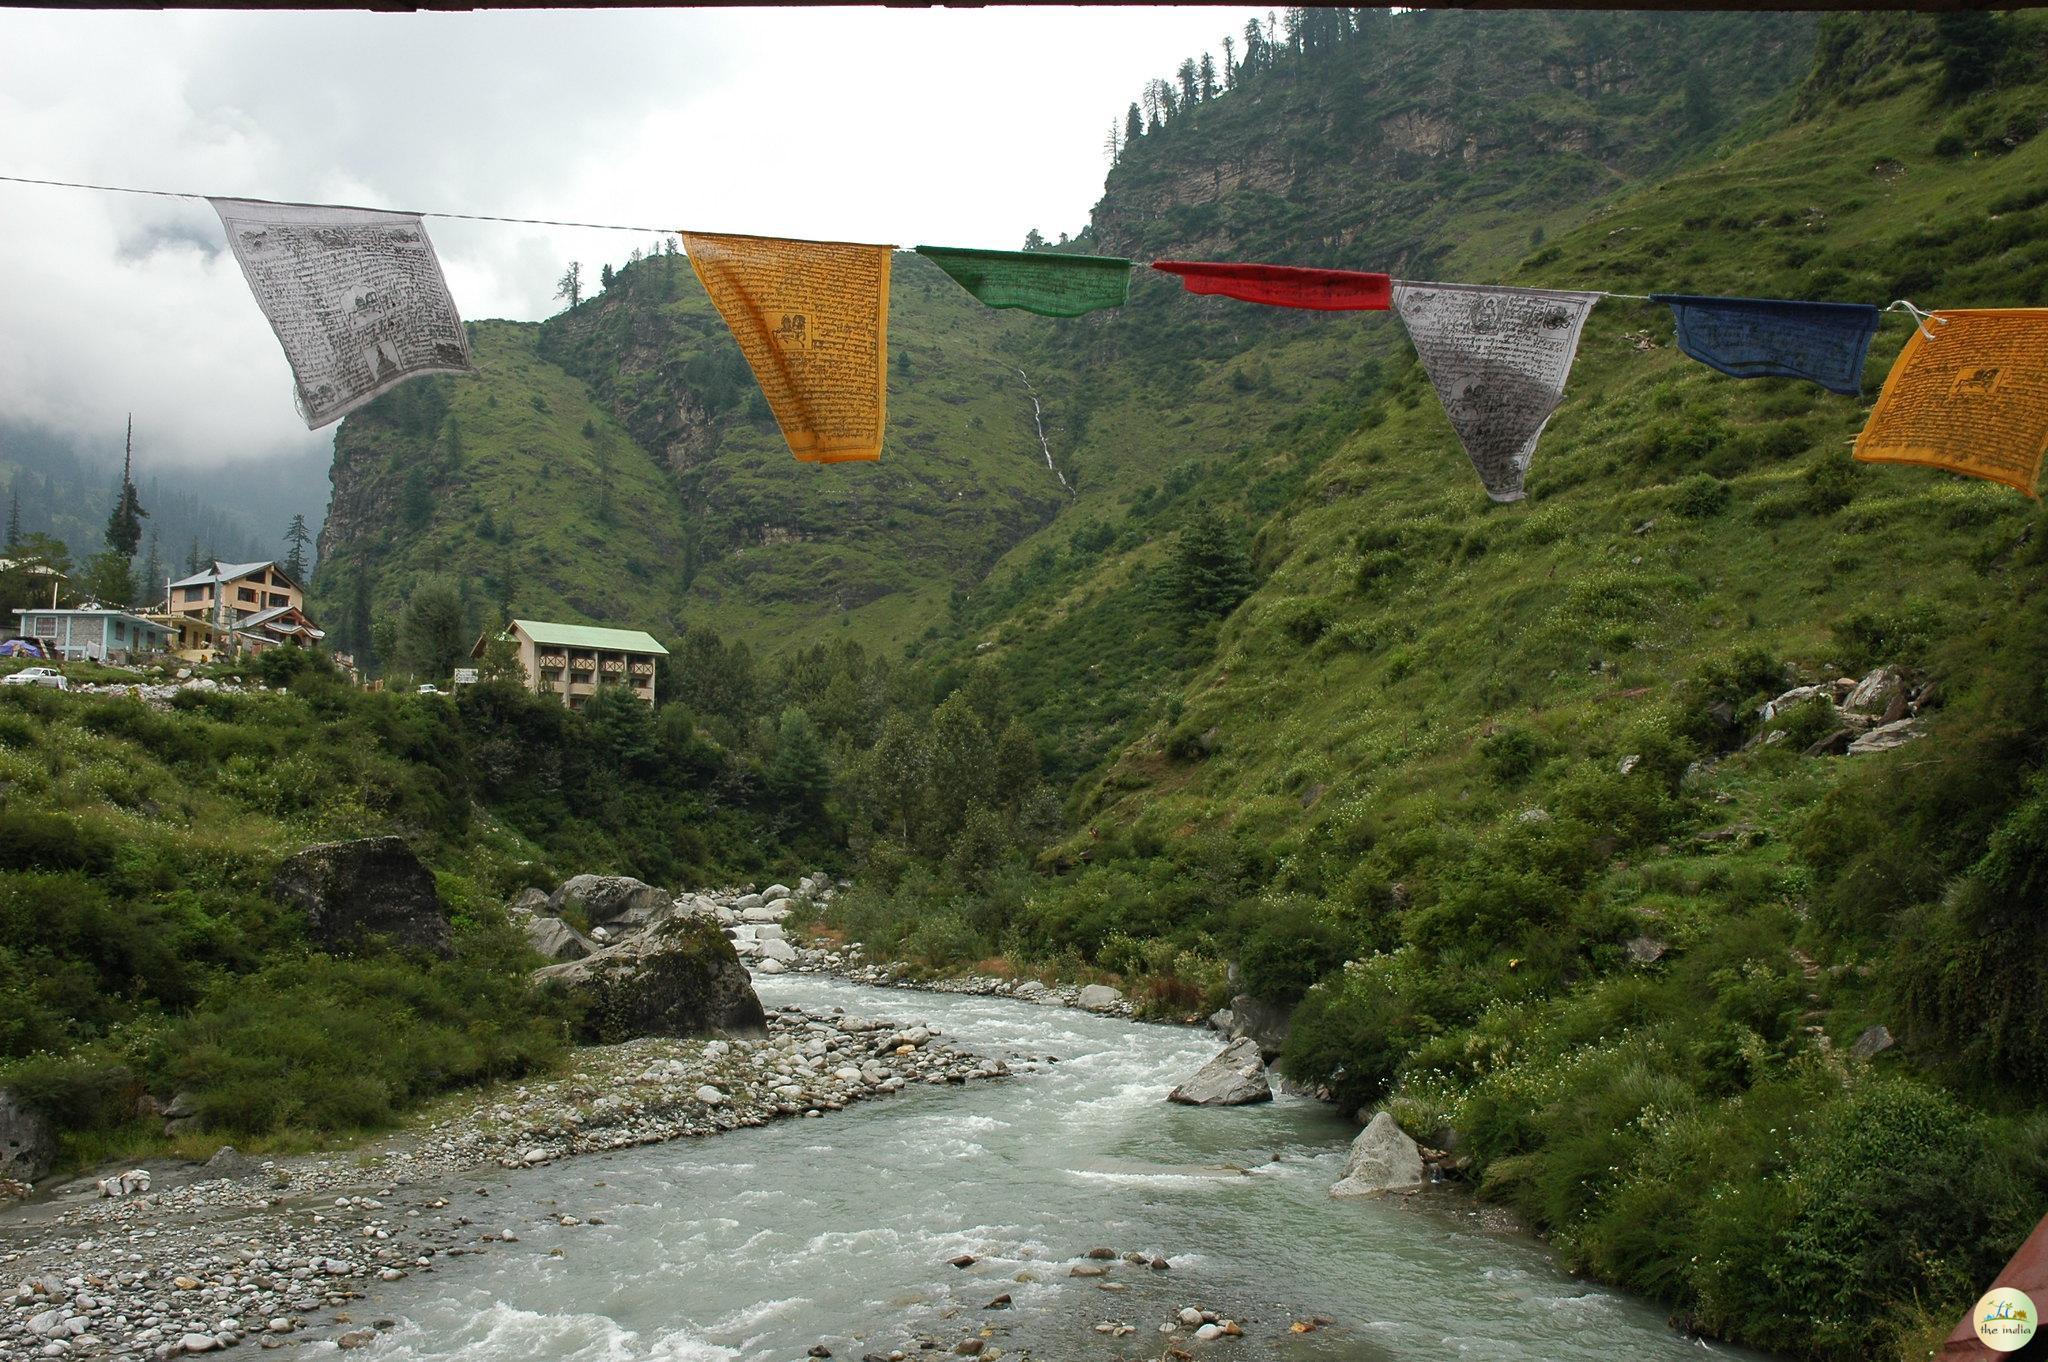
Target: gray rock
1885,737
611,900
1645,950
27,1145
746,901
774,893
373,888
1382,1159
1265,1023
1235,1077
1221,1020
1834,744
230,1162
765,912
527,903
1099,997
1873,1041
681,978
1873,694
557,940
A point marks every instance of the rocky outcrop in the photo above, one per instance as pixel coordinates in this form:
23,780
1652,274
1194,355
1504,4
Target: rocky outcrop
1234,1078
557,940
1099,997
680,978
27,1145
614,901
1382,1159
365,891
1264,1023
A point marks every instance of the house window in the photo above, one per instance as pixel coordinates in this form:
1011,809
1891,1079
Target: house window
276,599
194,593
246,593
46,628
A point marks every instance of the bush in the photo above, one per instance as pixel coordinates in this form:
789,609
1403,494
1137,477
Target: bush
53,841
1703,495
1291,947
1511,754
1831,482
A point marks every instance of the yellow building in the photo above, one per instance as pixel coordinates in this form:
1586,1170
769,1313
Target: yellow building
243,608
573,660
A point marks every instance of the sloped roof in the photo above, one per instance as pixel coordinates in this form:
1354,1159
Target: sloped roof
589,636
228,572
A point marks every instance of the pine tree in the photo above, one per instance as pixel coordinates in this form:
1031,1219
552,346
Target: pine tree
1190,76
1134,125
570,285
1207,73
152,570
604,276
14,519
193,562
1209,572
124,524
297,536
1254,47
1034,240
798,774
1229,62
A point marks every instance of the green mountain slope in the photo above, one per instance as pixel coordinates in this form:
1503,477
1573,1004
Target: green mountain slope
1611,933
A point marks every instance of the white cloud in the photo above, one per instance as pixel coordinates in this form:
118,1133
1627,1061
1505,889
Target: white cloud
965,127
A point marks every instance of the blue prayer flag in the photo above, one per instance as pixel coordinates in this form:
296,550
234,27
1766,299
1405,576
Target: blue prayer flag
1776,338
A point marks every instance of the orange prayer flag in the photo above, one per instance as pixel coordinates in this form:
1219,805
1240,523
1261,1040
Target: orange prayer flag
1973,399
812,319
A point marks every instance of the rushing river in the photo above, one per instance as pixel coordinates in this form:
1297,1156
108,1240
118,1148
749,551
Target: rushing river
760,1243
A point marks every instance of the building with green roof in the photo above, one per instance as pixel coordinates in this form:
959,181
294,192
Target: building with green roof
574,661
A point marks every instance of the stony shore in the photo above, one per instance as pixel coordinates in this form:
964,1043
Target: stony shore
275,1252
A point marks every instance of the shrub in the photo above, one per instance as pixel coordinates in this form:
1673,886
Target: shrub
1511,754
30,840
1291,947
1830,482
1703,495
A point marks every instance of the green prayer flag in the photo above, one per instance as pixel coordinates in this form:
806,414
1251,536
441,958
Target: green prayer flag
1046,282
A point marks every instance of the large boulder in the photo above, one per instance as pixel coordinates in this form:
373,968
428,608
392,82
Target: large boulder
1264,1022
1098,997
27,1146
1383,1159
617,901
557,940
679,978
1885,737
1233,1078
1875,693
356,892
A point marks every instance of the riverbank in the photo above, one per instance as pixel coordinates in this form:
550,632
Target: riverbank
275,1251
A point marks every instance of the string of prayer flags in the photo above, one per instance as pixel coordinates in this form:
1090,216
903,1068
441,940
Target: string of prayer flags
1285,285
1969,394
1776,338
1499,358
355,296
1050,283
812,320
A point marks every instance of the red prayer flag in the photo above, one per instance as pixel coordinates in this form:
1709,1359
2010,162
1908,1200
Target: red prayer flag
1286,285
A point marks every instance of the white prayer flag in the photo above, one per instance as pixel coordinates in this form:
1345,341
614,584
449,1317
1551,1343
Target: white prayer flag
355,296
1499,358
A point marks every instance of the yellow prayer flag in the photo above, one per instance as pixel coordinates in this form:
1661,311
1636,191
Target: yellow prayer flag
812,319
1972,400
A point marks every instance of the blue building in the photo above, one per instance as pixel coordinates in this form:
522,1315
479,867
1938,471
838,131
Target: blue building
100,634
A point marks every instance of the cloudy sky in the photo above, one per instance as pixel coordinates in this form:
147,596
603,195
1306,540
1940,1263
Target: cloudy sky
956,127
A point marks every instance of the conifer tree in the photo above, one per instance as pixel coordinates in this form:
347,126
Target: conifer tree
1229,62
360,636
1190,76
124,524
152,570
570,285
1206,72
1134,125
297,536
193,562
1209,572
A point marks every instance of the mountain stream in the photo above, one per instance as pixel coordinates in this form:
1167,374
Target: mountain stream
761,1243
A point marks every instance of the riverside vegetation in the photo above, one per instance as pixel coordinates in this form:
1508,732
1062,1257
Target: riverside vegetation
1488,791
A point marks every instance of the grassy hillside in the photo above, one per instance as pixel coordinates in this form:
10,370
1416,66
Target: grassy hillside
1610,933
142,953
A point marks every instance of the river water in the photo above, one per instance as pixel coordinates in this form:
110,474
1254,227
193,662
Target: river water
760,1243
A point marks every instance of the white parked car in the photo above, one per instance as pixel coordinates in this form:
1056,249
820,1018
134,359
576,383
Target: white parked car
37,676
430,689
